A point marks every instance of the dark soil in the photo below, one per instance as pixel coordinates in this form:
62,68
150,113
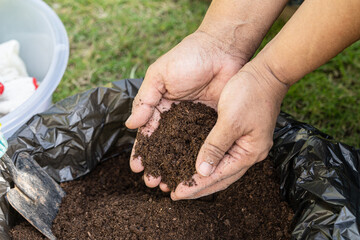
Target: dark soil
113,203
171,150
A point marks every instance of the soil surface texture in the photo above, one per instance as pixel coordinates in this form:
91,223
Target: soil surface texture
113,203
171,150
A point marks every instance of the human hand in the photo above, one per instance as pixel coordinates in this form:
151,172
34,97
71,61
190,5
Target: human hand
243,134
196,69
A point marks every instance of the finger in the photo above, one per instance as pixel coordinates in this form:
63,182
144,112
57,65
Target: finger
217,143
153,123
151,181
226,168
135,162
234,164
145,101
229,166
216,187
164,187
164,105
220,186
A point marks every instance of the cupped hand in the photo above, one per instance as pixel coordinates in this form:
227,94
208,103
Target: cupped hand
197,69
242,136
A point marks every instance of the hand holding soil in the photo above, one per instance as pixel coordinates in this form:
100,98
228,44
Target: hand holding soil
247,112
195,70
241,137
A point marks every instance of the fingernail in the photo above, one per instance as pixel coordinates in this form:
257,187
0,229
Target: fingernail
205,169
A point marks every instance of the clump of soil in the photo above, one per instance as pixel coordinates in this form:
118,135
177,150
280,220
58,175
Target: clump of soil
113,203
171,150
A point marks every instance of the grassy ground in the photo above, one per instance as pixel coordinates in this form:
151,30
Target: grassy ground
115,39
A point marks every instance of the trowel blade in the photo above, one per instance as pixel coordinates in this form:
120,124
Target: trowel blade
36,196
40,216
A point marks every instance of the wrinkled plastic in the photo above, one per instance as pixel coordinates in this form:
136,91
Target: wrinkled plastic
72,136
319,177
320,180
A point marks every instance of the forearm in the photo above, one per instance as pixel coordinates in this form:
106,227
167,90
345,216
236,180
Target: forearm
318,31
241,24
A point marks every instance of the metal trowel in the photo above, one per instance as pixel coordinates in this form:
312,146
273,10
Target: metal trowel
36,196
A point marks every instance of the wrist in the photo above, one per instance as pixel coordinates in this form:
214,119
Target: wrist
277,65
268,81
229,34
220,46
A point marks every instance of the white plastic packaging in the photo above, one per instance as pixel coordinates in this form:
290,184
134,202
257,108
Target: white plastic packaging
44,49
16,85
11,65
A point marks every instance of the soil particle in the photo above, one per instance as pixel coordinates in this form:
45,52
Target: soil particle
171,150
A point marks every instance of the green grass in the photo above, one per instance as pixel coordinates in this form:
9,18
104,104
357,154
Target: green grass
116,39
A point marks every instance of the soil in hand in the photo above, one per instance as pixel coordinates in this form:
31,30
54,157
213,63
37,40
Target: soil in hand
113,203
171,150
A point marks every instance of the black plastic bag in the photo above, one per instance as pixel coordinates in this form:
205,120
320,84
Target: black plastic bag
320,180
72,136
75,134
319,177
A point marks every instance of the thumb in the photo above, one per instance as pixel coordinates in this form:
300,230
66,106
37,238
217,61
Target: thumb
217,143
146,100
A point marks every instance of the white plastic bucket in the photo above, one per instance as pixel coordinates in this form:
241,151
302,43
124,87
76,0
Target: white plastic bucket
44,47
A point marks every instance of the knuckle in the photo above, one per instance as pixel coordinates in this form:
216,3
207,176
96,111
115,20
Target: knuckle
213,151
136,103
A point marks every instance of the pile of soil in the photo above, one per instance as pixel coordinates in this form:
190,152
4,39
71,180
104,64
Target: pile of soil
113,203
171,150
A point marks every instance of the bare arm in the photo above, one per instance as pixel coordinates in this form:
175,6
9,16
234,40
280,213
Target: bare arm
241,24
317,32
